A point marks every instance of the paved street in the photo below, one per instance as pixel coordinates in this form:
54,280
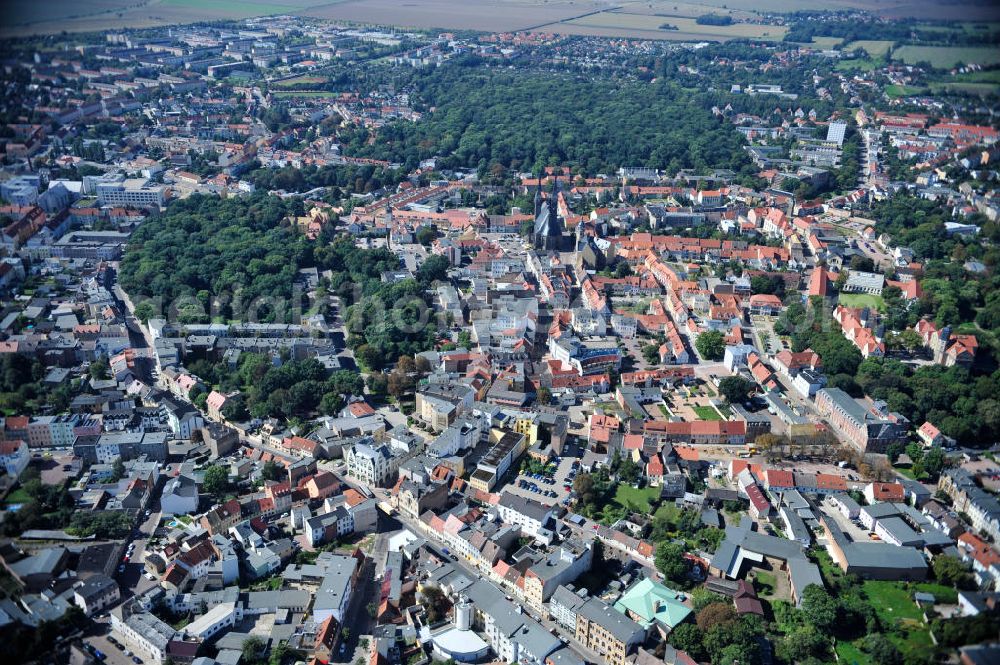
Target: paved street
359,622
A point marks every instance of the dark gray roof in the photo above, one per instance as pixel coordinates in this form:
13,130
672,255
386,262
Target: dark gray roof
802,573
616,623
526,507
568,598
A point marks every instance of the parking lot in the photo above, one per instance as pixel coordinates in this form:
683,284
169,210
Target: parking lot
125,655
555,484
854,531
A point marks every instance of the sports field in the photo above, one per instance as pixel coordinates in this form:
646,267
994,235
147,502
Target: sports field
299,80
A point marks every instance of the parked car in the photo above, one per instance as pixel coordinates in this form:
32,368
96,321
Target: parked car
137,660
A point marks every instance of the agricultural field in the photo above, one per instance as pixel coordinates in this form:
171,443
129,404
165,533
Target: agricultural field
966,88
644,25
102,15
826,42
27,12
487,15
971,83
945,57
25,17
666,8
971,10
874,48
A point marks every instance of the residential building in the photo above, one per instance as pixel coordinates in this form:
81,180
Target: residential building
607,631
531,516
96,593
142,632
868,428
562,566
14,457
371,463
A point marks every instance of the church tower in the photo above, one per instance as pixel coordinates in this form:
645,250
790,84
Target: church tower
548,228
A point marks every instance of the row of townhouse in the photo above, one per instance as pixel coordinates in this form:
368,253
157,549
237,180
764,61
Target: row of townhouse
982,507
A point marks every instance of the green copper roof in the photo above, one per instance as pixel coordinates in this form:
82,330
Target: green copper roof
649,601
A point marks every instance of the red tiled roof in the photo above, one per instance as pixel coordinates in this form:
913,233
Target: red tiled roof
887,491
779,478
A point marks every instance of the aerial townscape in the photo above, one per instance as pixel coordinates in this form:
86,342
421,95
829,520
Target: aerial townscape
538,332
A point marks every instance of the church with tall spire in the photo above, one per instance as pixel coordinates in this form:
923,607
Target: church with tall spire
548,233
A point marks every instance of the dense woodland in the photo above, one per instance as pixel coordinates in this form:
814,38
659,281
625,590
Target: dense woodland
485,118
210,256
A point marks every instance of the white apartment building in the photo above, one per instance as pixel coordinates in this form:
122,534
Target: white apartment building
370,464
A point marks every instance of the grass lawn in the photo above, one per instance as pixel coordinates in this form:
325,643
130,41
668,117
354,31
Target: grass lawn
891,600
610,408
765,583
943,594
894,90
706,412
829,570
18,496
861,300
905,471
634,499
668,511
849,654
864,64
664,410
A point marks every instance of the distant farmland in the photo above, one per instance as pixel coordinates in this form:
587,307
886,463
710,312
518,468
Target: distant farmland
625,18
945,57
23,17
486,15
646,26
